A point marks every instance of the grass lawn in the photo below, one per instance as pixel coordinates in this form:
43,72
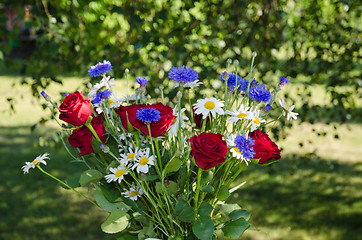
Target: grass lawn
314,192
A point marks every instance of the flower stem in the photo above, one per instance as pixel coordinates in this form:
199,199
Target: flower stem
65,184
90,127
199,173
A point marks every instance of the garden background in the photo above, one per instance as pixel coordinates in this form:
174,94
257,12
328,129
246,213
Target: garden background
313,192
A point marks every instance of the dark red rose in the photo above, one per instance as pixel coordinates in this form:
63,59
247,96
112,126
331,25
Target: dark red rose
198,119
208,149
265,149
75,109
160,127
130,113
82,137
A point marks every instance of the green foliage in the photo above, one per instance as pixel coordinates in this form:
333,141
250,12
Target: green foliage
116,222
236,228
184,211
203,228
106,205
223,193
89,176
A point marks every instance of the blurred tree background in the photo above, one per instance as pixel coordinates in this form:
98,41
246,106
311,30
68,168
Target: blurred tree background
314,43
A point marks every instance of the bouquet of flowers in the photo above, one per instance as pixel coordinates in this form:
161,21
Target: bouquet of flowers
162,172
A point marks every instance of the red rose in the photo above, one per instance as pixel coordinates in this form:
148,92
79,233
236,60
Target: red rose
160,127
265,149
82,137
198,119
208,149
130,113
75,109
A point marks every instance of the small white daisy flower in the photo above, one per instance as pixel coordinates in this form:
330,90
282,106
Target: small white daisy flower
114,101
133,193
193,84
240,114
288,110
39,159
256,120
143,161
172,132
104,83
117,174
125,158
207,106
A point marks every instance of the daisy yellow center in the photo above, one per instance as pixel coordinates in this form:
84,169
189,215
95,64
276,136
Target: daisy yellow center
256,120
237,150
35,161
133,193
143,161
209,105
241,115
120,172
130,156
110,102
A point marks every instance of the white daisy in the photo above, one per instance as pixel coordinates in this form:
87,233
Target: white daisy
191,85
143,161
256,120
114,101
104,83
207,106
39,159
133,193
172,132
116,174
128,157
288,110
240,114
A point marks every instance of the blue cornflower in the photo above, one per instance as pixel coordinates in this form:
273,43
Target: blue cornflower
101,95
267,108
100,68
241,83
182,74
147,115
260,94
245,146
141,81
283,81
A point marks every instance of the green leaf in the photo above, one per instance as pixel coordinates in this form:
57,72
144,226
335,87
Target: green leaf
171,187
223,193
203,228
108,206
126,236
207,188
205,209
184,211
239,213
206,177
228,208
172,166
89,176
116,222
72,182
236,228
110,192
